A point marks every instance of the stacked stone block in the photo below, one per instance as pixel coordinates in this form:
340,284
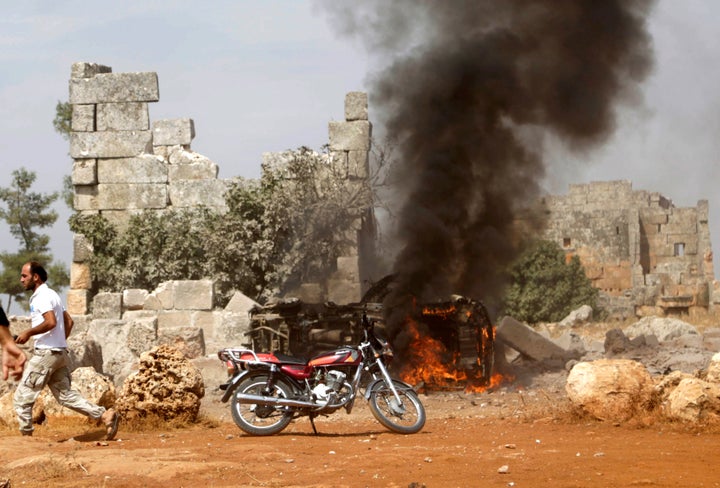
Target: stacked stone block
350,142
123,164
179,313
635,244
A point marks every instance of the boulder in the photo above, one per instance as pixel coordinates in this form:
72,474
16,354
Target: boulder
572,343
663,328
666,384
167,386
610,389
616,342
713,371
7,412
694,400
578,316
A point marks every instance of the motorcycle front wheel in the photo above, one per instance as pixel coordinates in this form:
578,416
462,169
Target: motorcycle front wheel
405,418
260,419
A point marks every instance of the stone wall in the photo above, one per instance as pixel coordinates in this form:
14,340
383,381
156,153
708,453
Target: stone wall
126,163
646,255
178,313
349,149
123,164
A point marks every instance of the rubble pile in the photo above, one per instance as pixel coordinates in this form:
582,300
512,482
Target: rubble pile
658,364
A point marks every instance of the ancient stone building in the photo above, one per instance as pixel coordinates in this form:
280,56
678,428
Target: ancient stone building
647,256
125,163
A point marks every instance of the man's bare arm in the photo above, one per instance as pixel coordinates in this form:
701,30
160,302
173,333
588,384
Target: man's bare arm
68,324
48,324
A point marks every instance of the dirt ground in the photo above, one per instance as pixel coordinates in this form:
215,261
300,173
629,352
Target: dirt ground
511,437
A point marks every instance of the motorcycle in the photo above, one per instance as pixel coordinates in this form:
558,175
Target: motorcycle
268,390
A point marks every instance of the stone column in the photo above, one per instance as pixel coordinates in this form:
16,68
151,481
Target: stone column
111,147
350,148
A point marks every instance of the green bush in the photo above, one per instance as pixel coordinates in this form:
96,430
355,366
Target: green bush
544,287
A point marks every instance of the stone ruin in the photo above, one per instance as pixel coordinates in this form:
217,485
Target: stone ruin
645,255
660,366
125,163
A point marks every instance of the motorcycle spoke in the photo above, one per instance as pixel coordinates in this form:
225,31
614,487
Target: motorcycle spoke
406,416
260,419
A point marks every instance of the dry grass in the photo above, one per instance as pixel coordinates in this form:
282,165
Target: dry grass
46,470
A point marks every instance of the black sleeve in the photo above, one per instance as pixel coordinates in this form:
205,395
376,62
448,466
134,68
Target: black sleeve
3,318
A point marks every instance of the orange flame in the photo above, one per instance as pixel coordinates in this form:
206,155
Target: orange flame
432,365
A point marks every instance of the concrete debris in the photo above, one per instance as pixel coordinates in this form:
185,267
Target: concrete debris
530,343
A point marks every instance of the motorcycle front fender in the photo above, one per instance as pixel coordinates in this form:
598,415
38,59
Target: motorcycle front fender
230,386
401,385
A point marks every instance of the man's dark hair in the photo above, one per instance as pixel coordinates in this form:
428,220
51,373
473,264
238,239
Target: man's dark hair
37,268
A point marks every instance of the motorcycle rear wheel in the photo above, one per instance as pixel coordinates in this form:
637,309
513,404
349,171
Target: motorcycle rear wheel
257,419
407,418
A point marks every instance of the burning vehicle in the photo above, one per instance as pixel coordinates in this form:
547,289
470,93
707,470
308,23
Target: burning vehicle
450,344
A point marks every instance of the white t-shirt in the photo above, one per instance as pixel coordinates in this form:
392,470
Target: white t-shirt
44,300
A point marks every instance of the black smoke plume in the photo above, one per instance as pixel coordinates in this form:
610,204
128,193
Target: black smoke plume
463,83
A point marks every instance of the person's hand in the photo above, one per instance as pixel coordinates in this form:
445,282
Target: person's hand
23,337
13,361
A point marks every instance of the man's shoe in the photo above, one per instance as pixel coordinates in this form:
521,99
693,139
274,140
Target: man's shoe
26,433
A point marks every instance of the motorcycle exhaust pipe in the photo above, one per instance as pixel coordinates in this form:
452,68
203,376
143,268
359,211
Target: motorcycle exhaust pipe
272,401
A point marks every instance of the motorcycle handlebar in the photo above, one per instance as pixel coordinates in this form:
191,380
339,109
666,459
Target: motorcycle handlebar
369,327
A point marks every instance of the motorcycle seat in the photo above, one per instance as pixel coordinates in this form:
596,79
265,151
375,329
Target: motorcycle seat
284,358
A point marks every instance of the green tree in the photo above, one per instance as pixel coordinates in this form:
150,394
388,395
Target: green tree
155,247
25,212
63,119
312,208
63,126
544,287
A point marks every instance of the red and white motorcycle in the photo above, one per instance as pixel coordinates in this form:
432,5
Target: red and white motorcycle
267,391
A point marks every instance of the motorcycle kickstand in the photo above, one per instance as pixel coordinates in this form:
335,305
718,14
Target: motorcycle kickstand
312,422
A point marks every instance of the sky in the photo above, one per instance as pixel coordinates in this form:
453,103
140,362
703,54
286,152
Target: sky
259,76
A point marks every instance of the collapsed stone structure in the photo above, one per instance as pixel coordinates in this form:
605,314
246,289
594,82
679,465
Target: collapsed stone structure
125,164
645,255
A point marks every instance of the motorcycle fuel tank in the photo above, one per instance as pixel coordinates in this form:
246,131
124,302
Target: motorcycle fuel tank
339,357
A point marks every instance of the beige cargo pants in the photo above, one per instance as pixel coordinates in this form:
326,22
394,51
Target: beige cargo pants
49,367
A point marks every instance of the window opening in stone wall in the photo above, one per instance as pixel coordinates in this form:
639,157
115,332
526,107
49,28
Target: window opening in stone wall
617,230
679,249
659,229
566,242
